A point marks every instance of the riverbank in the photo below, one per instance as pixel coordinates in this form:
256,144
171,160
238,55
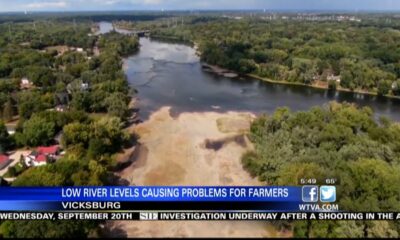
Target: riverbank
232,74
194,149
172,40
316,86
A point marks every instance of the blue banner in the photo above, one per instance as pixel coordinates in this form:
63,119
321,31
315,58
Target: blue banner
152,193
151,198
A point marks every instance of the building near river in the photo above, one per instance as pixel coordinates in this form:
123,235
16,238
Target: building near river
42,155
335,78
26,83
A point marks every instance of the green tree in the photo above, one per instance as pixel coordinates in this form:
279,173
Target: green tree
76,134
46,229
348,229
117,105
337,140
12,171
382,229
96,148
30,102
384,87
80,101
8,111
4,138
109,131
38,131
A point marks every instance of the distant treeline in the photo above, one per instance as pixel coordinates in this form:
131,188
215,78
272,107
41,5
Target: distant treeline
83,16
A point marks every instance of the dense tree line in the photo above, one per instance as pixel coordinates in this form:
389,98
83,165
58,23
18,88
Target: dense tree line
40,34
93,90
119,43
82,16
338,141
58,78
365,56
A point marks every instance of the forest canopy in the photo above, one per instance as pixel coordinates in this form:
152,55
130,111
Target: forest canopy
335,141
60,83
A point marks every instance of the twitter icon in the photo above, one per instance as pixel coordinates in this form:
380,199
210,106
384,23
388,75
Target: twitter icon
327,194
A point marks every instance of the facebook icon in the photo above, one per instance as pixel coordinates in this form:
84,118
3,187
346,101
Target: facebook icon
310,193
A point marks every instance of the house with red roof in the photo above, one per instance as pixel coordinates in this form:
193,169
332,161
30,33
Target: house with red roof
42,155
51,151
4,161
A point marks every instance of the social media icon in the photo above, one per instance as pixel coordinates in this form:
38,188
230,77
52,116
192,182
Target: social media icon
310,193
328,194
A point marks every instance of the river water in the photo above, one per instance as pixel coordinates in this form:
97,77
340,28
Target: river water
168,74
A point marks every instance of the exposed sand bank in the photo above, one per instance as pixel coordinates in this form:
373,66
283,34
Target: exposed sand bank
193,149
219,70
177,153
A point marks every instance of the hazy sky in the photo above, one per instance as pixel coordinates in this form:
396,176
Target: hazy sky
82,5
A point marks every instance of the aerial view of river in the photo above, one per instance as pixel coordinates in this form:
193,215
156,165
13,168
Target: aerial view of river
170,74
194,125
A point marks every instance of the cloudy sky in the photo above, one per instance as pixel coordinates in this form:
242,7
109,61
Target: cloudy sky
83,5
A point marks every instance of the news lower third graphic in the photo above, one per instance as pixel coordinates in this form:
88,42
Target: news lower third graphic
170,203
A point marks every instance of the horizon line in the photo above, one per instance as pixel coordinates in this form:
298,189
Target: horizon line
209,10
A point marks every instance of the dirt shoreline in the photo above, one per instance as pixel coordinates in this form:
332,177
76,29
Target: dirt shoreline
193,149
231,74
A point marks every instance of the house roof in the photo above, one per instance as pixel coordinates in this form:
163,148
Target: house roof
34,153
48,150
41,158
4,158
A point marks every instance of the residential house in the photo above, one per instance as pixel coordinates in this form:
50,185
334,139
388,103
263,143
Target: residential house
4,161
335,78
84,86
26,83
394,86
78,85
35,159
42,155
61,108
10,129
